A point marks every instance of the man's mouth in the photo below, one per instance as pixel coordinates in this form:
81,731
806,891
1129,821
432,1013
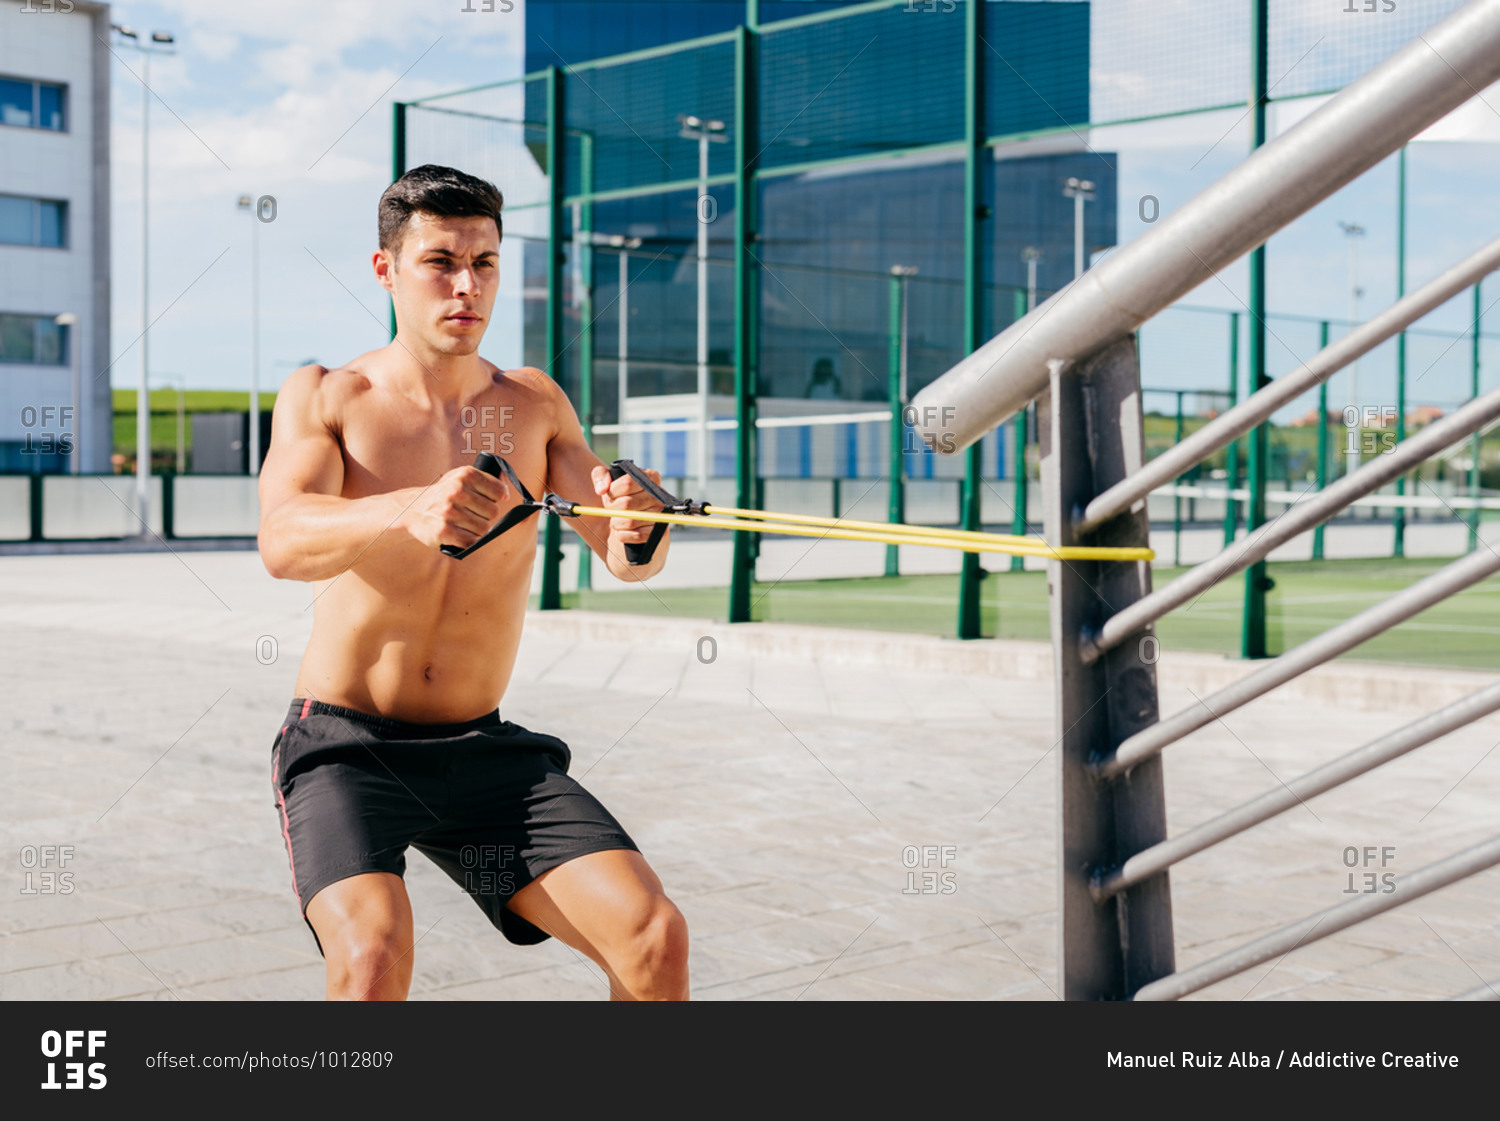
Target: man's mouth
463,317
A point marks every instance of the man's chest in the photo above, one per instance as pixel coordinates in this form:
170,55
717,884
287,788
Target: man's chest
387,448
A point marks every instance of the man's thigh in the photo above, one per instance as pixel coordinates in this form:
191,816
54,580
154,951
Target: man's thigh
597,903
369,903
518,816
364,926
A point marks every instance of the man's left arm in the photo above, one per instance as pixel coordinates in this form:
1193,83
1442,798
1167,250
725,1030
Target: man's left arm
575,473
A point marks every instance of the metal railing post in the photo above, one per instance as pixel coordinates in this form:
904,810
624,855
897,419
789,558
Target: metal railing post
1110,948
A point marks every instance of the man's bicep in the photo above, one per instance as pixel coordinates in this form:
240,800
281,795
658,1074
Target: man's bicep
570,460
304,456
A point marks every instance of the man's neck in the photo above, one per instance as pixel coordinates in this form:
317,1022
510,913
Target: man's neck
439,378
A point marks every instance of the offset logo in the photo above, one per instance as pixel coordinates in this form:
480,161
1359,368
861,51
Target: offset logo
43,867
75,1047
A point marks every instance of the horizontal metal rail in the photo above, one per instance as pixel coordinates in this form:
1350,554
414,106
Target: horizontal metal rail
1369,119
690,425
1299,518
1451,578
1405,501
1315,927
1179,459
1160,857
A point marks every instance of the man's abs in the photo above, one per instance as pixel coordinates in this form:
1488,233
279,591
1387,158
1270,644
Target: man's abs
417,636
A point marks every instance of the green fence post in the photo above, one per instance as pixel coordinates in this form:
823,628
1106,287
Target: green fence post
34,497
1022,426
1398,523
1253,623
1476,442
1177,498
895,471
1317,552
974,212
551,590
584,247
398,169
168,505
1232,452
746,314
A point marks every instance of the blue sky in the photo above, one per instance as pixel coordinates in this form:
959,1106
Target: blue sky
293,100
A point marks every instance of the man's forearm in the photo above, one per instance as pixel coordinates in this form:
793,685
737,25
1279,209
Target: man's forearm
317,536
621,569
596,536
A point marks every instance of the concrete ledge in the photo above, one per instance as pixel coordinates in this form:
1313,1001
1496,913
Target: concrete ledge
129,545
1361,686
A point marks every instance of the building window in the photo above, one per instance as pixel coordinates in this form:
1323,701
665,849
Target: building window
28,104
33,340
25,221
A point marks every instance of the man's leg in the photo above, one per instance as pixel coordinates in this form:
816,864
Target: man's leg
610,905
364,925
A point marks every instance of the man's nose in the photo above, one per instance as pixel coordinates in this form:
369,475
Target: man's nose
466,282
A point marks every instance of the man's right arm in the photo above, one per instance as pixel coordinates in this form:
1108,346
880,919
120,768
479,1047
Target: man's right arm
308,531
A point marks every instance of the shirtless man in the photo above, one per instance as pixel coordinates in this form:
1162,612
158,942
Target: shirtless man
394,737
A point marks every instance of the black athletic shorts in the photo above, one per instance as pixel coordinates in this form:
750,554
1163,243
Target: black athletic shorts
487,801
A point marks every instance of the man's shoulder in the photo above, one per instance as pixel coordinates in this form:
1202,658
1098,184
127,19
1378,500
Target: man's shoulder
528,378
328,386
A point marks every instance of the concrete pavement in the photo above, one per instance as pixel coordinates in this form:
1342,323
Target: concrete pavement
840,815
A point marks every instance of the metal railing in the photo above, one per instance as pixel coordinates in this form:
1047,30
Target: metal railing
1075,356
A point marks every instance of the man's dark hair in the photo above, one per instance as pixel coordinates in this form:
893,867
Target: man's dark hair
442,191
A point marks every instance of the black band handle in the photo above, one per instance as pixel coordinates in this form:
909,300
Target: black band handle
490,465
642,553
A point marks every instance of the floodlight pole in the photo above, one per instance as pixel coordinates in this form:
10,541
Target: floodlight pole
1080,191
143,391
253,206
704,132
1353,231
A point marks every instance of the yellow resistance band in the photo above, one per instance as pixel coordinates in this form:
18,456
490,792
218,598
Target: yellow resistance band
802,525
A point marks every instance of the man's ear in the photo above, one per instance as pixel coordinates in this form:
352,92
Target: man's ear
384,263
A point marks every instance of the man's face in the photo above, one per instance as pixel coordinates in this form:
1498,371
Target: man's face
444,280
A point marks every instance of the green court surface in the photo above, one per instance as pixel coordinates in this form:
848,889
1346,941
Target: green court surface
1309,597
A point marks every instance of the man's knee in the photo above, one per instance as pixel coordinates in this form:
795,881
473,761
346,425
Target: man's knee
368,964
656,962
